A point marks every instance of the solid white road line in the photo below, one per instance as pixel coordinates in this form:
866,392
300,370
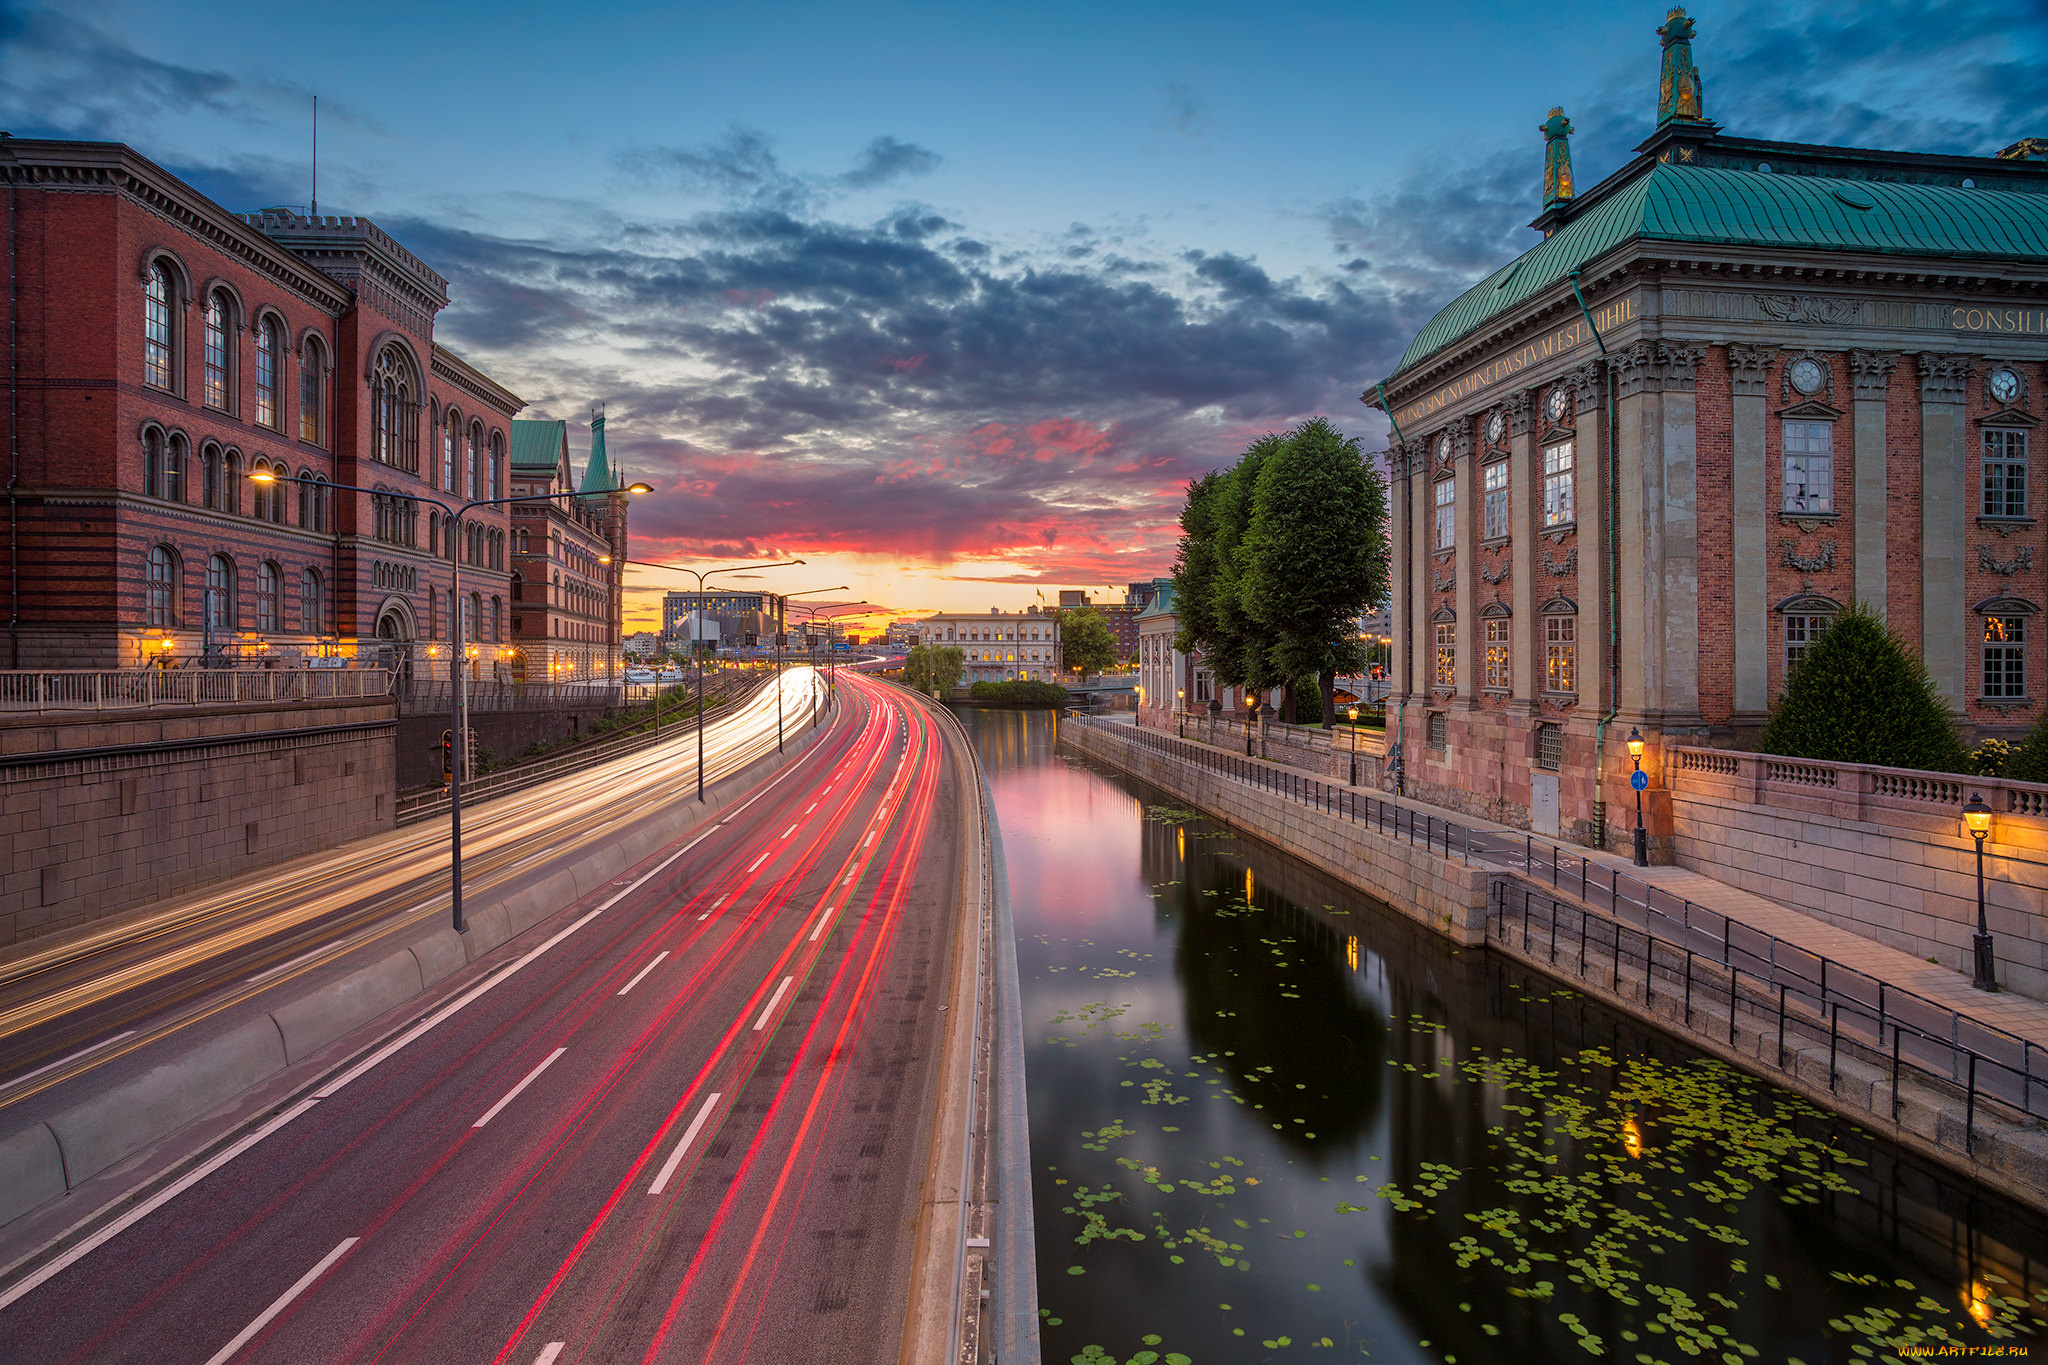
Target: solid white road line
283,1301
773,1001
150,1205
513,1093
82,1052
644,971
675,1158
549,1352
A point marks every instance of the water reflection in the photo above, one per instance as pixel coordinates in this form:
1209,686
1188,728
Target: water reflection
1228,1050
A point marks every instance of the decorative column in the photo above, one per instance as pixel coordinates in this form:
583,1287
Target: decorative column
1464,567
1420,632
1678,364
1659,527
1749,371
1870,374
1400,618
1943,511
1525,514
1589,508
1639,470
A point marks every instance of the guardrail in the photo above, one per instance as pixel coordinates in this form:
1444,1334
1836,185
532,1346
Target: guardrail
425,698
1891,1029
143,688
1801,976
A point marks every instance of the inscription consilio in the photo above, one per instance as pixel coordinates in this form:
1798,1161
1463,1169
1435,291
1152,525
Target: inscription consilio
2023,321
1561,342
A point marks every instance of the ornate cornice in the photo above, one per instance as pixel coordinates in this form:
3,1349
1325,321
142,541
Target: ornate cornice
1749,369
1807,308
1585,385
1870,374
1678,364
1944,377
1634,369
474,382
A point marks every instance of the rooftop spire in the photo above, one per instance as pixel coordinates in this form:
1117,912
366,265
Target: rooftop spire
597,475
1678,93
1557,159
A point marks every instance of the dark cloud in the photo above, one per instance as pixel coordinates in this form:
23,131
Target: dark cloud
886,159
742,166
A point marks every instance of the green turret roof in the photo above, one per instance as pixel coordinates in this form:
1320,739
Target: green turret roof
1755,208
597,475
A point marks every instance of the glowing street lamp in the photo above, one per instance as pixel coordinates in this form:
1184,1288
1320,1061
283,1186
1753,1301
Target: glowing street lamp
1977,816
1354,746
1635,754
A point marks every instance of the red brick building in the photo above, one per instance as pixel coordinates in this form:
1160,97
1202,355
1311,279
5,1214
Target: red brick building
163,350
1737,386
568,558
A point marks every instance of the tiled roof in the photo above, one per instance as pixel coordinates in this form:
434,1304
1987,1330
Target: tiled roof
537,445
1756,208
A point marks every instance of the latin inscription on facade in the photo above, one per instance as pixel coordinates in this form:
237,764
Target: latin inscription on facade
2023,321
1563,341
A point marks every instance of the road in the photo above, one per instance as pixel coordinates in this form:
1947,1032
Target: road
688,1120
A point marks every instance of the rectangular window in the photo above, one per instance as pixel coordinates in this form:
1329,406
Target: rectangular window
2005,473
1497,500
1447,514
1809,466
1439,731
1560,654
1559,461
1496,653
1549,747
1446,655
1800,631
2005,663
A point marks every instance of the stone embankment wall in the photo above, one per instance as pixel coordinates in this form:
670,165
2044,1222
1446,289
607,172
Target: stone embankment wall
1309,748
1881,852
1446,894
121,809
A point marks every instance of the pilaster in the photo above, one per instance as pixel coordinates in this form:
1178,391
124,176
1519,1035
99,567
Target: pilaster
1400,618
1679,623
1943,512
1870,374
1590,510
1524,514
1749,370
1419,485
1464,565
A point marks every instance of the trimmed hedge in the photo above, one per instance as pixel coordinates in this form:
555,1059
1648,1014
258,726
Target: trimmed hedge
1020,693
1860,695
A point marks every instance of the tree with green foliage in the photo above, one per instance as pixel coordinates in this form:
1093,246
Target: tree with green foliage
1859,695
2028,761
1020,692
1086,644
1236,653
933,668
1316,554
1194,565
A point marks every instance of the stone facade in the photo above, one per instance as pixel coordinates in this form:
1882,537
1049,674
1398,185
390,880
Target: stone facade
1001,646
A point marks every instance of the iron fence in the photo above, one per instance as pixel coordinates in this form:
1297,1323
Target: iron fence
142,688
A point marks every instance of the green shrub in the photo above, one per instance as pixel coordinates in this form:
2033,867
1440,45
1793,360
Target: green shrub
1859,695
2028,761
1020,693
1990,757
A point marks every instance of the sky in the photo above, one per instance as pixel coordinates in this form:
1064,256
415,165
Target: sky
952,300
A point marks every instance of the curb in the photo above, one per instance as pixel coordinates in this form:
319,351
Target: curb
53,1156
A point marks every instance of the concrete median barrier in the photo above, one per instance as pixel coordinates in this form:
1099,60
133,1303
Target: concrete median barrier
439,954
313,1021
31,1170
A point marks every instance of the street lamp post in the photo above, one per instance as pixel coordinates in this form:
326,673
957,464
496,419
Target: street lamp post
1354,746
778,653
1637,780
1180,699
1399,769
458,736
1977,816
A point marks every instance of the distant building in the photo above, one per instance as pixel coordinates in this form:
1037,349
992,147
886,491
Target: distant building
1170,681
568,558
1000,646
643,644
733,616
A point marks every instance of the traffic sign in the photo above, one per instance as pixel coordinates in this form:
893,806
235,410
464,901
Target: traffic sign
1639,780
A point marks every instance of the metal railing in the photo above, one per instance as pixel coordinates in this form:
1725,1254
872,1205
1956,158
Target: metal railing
144,688
422,697
1799,974
1883,1026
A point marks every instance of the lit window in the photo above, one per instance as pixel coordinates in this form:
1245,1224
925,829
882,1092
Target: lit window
156,328
163,586
266,373
1800,632
1561,654
267,580
2005,662
2005,473
1497,653
1446,654
217,354
1809,466
1446,514
1558,463
1497,500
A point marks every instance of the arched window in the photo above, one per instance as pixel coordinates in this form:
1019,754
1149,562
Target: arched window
312,603
211,472
173,489
409,523
220,593
267,410
309,502
497,620
450,433
163,587
268,580
496,485
153,462
312,390
433,612
231,482
219,385
158,328
395,406
380,517
476,443
433,533
476,616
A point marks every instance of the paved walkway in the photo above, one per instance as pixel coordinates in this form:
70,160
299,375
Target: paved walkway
2018,1015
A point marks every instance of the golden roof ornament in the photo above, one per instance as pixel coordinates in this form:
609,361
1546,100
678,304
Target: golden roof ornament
1678,91
1557,158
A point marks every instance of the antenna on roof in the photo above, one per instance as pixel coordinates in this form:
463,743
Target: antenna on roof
313,204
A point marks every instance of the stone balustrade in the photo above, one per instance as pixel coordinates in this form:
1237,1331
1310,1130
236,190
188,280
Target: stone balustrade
44,692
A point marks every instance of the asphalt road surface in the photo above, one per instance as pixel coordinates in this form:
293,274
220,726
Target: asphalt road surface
686,1120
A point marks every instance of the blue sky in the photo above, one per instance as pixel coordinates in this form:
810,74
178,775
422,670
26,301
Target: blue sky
951,299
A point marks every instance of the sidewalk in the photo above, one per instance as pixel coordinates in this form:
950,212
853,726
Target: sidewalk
2018,1015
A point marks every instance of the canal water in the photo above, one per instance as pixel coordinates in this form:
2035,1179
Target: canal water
1272,1120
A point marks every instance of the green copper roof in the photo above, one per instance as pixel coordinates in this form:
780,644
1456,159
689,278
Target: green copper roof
537,445
1753,208
597,475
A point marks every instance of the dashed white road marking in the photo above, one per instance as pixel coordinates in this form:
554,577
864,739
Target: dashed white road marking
675,1158
82,1052
644,971
283,1301
773,1001
513,1093
549,1352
